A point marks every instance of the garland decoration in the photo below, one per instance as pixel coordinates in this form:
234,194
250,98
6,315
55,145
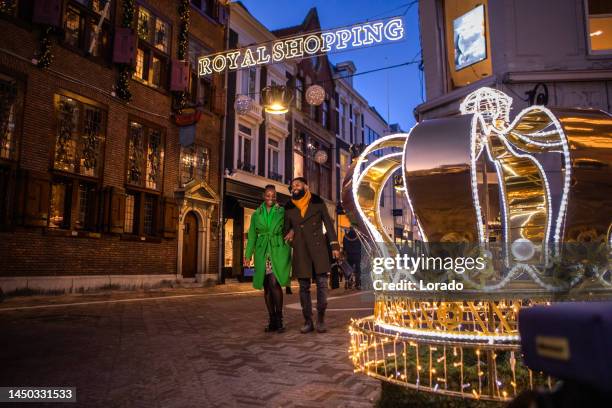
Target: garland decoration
183,37
180,98
45,56
125,70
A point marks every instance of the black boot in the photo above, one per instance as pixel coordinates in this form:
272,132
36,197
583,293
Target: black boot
321,327
272,324
280,327
308,327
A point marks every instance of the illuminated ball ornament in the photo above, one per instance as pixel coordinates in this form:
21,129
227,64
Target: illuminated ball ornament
523,249
243,104
315,95
320,156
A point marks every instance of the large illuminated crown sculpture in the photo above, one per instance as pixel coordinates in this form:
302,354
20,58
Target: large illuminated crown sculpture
533,196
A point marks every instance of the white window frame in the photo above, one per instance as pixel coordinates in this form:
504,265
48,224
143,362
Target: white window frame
238,150
343,106
279,149
244,79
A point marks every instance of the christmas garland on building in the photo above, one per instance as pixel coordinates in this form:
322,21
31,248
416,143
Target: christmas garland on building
125,70
45,56
180,97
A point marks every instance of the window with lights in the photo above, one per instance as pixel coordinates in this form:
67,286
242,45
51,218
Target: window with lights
152,55
11,102
144,179
145,155
195,163
77,163
10,107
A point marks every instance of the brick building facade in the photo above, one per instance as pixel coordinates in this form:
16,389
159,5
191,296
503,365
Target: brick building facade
95,190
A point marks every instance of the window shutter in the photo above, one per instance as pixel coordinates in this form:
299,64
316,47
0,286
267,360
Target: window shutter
8,180
115,210
180,76
37,202
93,210
124,46
47,12
170,218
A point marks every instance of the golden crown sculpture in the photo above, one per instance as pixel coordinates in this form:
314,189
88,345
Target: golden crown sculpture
539,185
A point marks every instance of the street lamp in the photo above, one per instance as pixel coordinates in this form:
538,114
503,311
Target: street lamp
276,99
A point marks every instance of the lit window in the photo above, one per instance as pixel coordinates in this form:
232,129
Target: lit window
79,138
145,156
73,27
141,216
130,208
153,49
8,117
600,26
195,163
58,213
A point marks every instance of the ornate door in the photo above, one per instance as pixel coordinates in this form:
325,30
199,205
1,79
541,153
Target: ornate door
190,246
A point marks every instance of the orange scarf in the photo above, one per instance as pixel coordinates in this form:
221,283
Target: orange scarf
302,203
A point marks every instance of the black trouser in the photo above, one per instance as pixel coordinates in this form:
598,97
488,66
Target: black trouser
305,299
273,294
356,265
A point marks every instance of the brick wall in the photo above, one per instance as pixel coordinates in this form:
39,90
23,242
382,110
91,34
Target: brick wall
39,251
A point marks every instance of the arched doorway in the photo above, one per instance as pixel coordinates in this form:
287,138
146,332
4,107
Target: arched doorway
190,245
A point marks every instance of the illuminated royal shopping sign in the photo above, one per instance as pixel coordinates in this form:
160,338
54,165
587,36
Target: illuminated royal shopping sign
306,45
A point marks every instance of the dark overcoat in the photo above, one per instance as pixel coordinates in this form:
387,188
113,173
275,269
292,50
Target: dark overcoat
310,246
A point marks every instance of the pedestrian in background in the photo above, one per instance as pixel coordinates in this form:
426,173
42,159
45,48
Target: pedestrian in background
272,256
352,248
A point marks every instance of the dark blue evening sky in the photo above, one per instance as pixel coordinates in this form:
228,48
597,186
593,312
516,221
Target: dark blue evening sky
401,86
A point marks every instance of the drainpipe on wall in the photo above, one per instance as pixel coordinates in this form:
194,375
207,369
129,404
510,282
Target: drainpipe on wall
220,227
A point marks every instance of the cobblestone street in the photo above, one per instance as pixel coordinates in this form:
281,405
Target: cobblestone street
182,348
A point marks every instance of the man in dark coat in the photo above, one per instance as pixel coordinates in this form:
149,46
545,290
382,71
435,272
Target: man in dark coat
305,215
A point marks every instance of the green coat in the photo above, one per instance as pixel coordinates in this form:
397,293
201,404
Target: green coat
263,240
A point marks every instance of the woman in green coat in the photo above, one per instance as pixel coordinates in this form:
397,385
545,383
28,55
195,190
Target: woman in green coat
272,256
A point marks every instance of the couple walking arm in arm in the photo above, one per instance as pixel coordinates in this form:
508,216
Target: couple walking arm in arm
299,223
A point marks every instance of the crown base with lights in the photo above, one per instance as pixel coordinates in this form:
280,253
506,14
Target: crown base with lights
549,167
